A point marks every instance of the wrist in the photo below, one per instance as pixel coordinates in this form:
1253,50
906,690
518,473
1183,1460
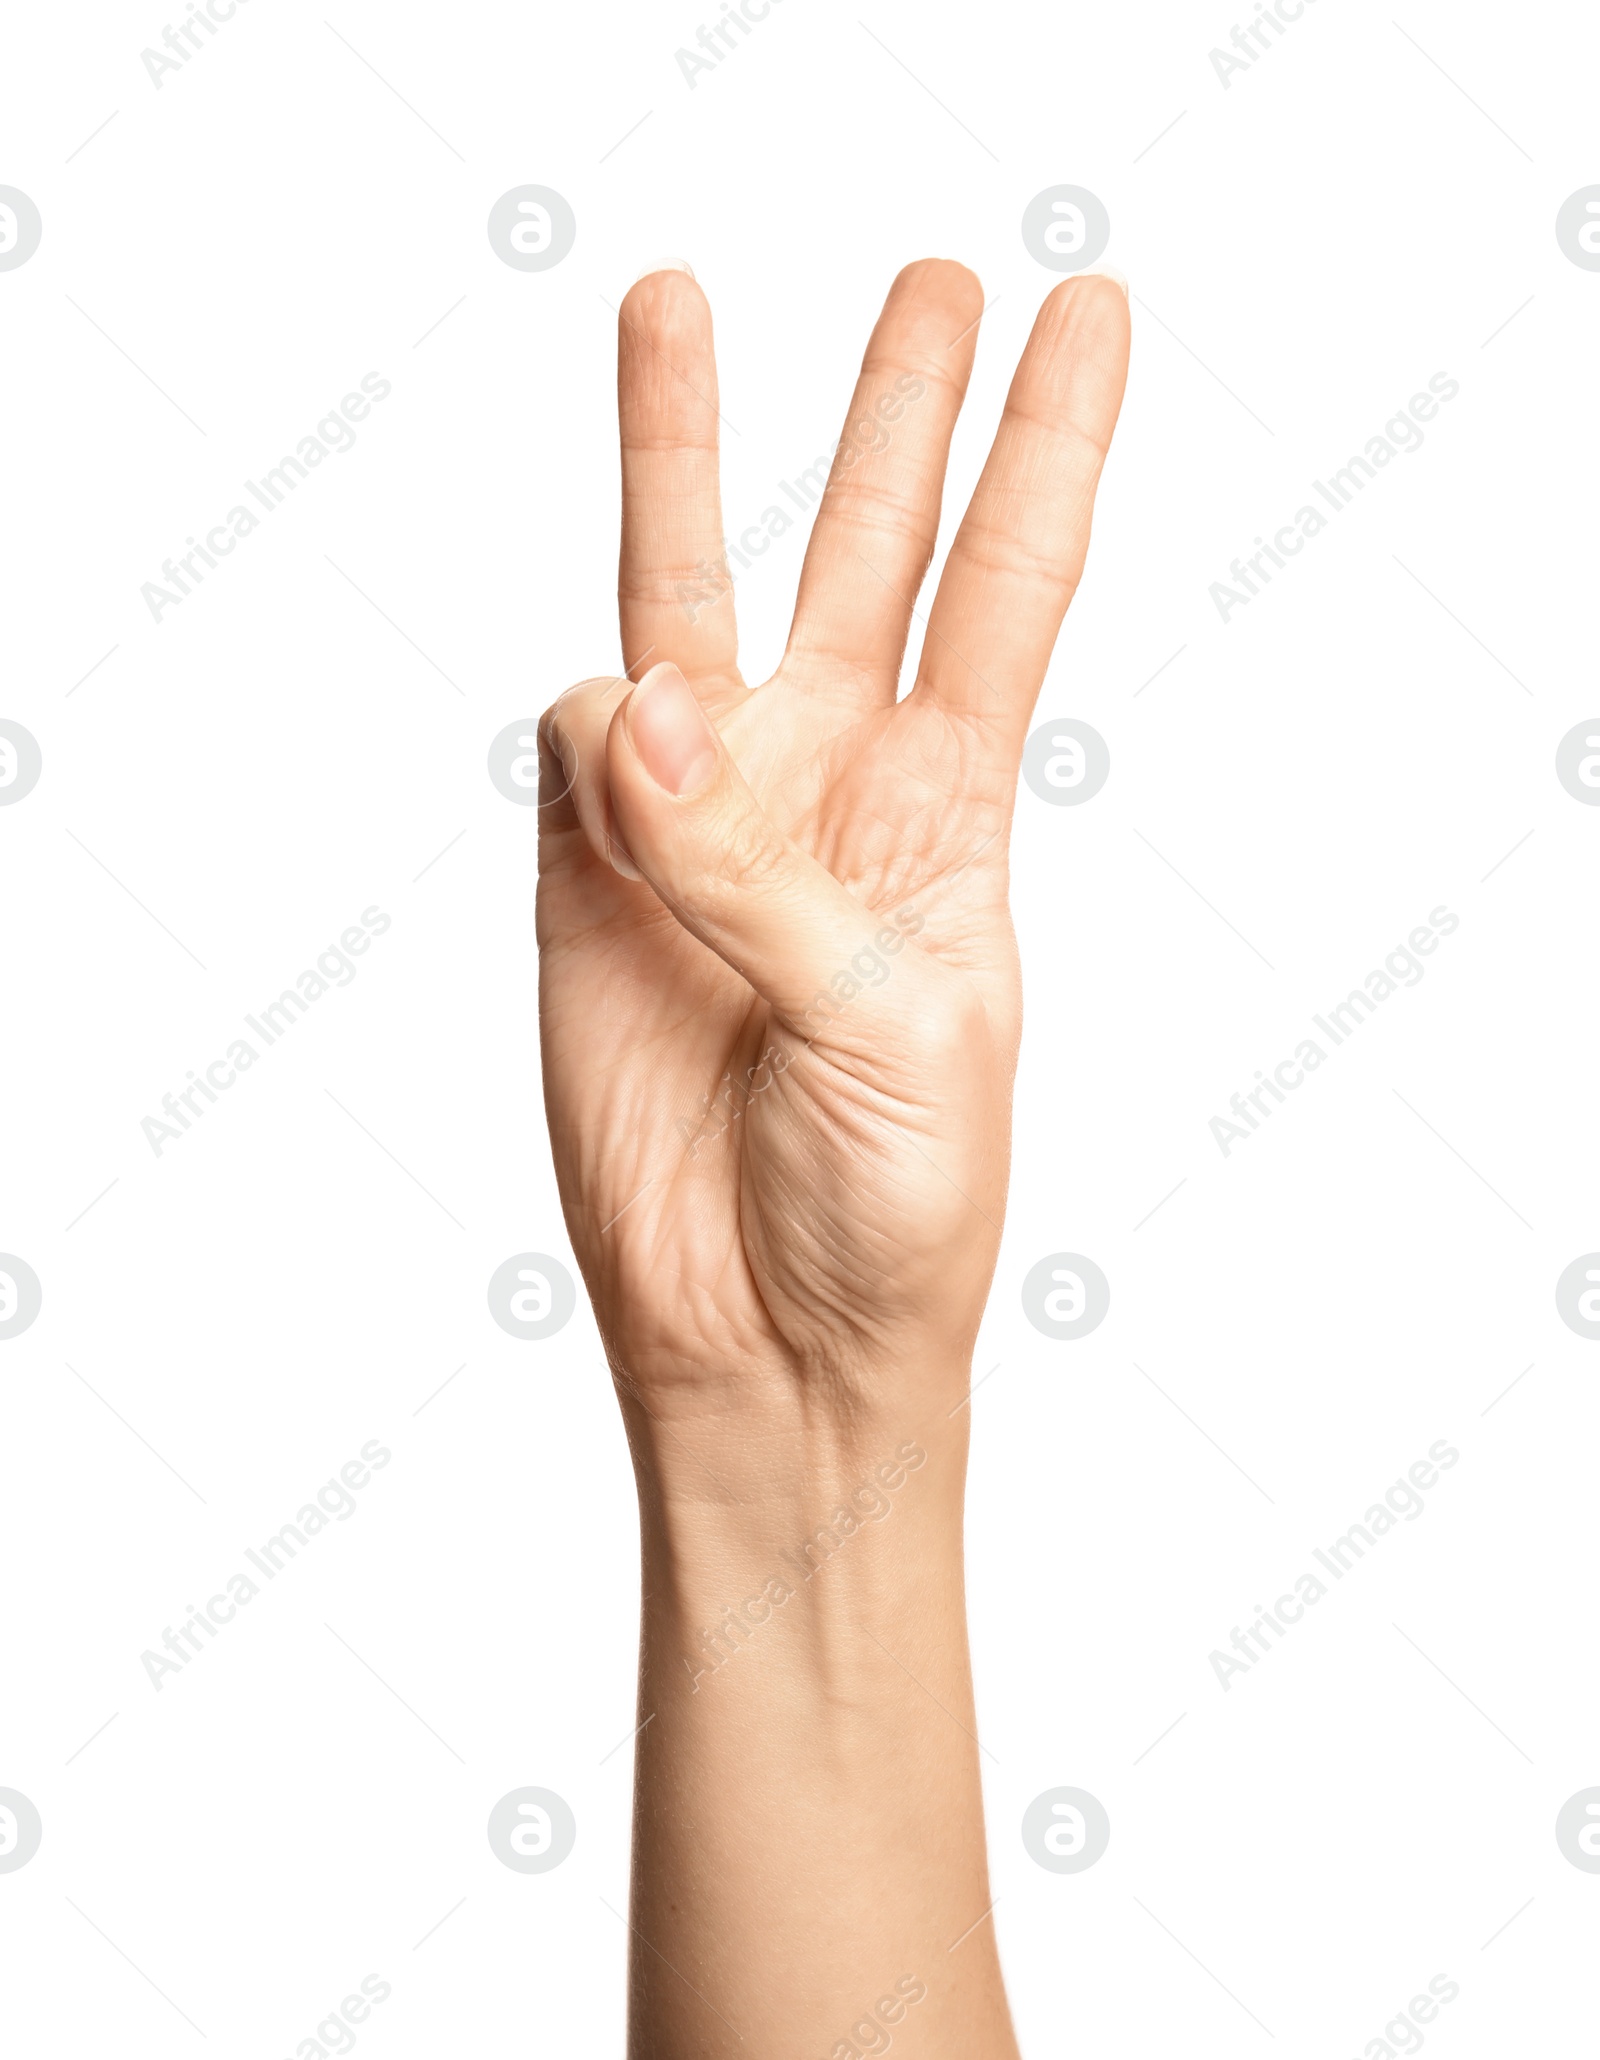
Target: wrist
724,1459
800,1550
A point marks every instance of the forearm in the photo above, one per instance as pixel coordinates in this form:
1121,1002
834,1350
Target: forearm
808,1844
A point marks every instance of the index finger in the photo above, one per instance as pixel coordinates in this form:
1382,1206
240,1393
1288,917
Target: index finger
674,595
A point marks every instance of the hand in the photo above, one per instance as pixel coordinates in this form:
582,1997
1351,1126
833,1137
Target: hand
779,991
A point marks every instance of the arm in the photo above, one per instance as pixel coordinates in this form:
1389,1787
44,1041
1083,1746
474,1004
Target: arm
808,1841
780,1010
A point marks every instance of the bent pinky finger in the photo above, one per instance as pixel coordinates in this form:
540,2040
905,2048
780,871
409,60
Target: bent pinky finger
574,792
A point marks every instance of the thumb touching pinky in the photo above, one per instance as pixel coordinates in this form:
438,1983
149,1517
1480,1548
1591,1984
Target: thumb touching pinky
721,865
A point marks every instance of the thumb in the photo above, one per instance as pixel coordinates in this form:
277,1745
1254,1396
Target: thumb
730,875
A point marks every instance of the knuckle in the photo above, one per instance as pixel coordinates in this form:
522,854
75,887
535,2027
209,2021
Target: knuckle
757,860
1002,553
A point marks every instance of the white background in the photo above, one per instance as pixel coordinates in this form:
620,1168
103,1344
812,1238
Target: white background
1374,1803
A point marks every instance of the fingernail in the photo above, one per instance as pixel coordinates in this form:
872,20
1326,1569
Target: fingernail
621,857
675,743
1106,272
667,265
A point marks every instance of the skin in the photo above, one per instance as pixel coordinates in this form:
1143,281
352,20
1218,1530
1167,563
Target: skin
787,1210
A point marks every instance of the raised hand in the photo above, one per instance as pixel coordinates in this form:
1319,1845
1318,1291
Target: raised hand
780,1000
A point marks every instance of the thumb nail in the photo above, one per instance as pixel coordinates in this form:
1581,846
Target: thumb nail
675,743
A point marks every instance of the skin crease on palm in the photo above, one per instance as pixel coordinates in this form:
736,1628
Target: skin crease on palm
792,1281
